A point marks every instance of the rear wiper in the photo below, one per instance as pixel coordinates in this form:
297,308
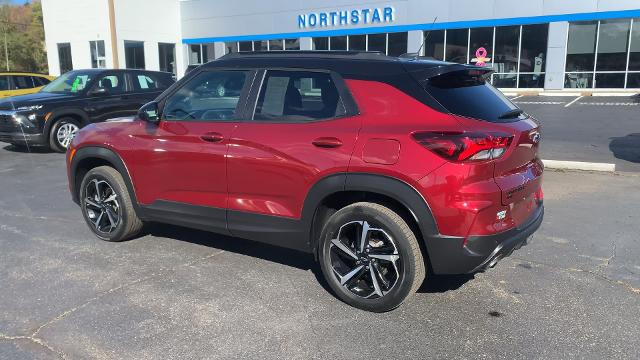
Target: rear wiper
511,114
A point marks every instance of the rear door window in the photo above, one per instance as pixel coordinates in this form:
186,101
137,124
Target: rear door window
4,82
113,83
144,82
467,93
298,96
22,82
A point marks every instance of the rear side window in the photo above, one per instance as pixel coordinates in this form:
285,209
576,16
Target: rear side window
298,96
467,93
4,82
151,81
23,82
146,82
40,81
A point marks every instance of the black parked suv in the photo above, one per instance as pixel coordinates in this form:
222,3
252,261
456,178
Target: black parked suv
54,115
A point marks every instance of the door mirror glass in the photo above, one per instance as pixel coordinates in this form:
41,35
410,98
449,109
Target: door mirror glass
149,113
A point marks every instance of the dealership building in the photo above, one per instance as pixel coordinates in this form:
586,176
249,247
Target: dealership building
533,44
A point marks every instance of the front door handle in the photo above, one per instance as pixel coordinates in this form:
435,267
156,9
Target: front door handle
212,137
327,142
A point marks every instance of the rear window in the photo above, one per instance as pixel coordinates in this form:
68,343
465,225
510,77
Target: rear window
467,93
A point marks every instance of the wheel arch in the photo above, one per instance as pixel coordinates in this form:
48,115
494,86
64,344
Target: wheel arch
336,191
87,158
58,114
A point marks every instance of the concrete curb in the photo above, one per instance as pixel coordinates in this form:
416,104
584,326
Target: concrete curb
578,165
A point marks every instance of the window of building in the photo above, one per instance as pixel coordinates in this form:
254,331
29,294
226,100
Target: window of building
201,53
321,43
134,54
338,43
634,47
505,56
64,57
244,46
167,57
434,44
533,56
377,42
230,47
298,96
209,96
275,45
481,46
358,42
397,43
600,54
292,44
581,48
261,45
98,59
457,43
195,54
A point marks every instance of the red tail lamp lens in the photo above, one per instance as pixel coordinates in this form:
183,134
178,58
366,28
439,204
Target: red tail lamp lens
461,146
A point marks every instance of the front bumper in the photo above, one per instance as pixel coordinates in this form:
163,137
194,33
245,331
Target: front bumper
451,255
19,138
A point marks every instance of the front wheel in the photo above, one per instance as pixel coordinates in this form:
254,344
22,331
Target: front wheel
370,257
62,133
107,206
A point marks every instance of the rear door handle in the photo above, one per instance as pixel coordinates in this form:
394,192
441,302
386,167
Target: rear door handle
327,142
212,137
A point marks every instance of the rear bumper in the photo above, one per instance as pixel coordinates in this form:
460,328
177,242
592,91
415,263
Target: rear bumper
22,139
449,255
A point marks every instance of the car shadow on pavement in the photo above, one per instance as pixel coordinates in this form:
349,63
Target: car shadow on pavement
25,149
626,147
444,283
297,259
287,257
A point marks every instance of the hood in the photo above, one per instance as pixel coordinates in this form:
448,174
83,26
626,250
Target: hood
13,102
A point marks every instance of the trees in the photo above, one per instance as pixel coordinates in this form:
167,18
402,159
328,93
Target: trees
21,26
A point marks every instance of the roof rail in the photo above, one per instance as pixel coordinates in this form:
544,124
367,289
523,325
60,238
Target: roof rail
368,55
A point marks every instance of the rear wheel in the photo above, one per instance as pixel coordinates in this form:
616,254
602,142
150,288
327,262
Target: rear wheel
62,133
370,257
106,205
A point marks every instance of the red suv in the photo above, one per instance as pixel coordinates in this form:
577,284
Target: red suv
387,169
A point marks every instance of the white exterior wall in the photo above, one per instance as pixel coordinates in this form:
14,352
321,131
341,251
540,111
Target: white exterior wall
80,21
76,22
150,21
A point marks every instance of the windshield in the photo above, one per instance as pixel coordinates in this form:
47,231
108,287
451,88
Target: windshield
71,82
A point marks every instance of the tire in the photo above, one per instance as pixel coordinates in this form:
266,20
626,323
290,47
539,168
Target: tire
391,246
62,132
125,224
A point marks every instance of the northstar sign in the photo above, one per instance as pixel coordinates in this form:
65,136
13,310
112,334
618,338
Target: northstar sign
347,17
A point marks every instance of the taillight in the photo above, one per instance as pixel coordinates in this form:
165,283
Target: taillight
461,146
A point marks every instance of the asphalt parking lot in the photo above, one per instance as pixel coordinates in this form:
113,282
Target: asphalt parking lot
593,129
573,292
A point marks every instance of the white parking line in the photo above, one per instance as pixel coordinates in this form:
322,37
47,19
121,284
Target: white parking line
517,97
540,102
574,100
611,104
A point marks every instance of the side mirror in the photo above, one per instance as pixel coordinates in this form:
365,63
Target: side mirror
149,112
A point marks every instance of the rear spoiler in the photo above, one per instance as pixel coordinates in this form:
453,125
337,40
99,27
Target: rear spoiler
423,73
